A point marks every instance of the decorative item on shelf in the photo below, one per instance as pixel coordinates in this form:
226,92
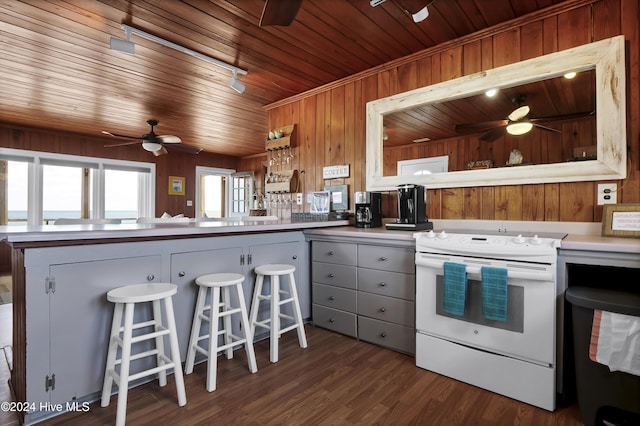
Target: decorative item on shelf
515,158
281,137
582,153
476,165
283,181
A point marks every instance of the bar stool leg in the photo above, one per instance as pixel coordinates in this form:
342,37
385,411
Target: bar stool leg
302,338
195,330
157,326
123,383
111,354
212,362
226,304
246,328
175,352
255,305
275,318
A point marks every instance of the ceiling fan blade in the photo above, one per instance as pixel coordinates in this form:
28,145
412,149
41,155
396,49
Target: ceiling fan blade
492,135
476,127
279,12
563,117
122,144
161,151
168,139
119,136
549,129
185,148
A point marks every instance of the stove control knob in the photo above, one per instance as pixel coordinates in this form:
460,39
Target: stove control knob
431,234
443,235
519,239
535,240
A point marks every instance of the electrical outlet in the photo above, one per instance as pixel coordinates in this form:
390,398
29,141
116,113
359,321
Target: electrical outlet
299,198
607,193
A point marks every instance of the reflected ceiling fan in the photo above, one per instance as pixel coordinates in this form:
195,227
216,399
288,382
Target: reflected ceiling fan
517,123
152,142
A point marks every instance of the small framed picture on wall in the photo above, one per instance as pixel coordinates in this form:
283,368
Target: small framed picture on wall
176,185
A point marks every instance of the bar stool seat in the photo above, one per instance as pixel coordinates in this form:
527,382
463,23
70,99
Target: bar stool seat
277,298
219,309
125,299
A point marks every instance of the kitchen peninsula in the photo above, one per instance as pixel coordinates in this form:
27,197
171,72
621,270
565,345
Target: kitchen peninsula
61,274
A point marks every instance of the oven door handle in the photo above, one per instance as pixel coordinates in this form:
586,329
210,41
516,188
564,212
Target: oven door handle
531,276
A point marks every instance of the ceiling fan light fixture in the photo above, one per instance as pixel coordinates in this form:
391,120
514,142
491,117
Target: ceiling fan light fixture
519,128
151,146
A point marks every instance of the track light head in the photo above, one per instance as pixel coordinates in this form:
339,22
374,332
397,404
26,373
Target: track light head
236,84
125,46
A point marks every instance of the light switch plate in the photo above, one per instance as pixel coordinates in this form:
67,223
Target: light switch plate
607,193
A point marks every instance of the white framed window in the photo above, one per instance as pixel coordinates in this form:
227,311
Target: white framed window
42,187
223,192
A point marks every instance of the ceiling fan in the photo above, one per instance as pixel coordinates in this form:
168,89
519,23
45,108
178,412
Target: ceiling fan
152,142
517,122
283,12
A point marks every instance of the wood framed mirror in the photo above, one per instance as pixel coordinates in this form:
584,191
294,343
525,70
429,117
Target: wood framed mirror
604,59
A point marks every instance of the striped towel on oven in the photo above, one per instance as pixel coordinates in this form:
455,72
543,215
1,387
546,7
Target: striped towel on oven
494,293
455,288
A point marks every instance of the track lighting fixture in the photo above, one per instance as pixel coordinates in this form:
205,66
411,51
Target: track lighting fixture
127,46
235,84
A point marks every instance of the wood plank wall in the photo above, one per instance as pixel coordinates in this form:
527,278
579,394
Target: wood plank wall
331,119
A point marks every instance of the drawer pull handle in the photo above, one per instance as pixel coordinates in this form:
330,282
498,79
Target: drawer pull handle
150,277
331,275
383,309
383,284
332,298
331,253
384,259
383,334
294,257
332,320
181,274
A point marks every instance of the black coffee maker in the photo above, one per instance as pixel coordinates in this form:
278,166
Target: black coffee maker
412,209
368,209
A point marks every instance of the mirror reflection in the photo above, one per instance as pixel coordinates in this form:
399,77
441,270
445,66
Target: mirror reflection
543,122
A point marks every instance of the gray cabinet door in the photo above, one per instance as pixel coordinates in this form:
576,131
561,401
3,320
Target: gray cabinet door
185,268
80,320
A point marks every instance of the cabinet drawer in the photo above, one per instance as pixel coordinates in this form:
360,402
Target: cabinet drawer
334,297
386,308
340,275
335,320
394,284
393,336
394,259
342,253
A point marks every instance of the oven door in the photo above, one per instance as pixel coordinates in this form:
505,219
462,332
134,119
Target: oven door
528,333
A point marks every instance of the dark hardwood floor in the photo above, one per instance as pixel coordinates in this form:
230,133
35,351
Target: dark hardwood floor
337,380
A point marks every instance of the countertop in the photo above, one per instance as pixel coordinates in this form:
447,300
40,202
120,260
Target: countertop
67,233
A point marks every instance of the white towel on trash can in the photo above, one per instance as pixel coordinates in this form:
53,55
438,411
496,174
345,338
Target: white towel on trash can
615,341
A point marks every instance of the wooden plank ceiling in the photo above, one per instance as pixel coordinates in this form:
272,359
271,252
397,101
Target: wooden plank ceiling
58,72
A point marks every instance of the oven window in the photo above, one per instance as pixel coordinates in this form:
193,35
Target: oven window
473,306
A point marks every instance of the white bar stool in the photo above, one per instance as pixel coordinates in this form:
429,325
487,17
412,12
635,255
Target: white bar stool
219,308
125,298
273,322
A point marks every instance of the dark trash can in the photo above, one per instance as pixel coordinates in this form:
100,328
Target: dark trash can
604,397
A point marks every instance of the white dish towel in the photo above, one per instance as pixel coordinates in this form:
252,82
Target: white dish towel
615,341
